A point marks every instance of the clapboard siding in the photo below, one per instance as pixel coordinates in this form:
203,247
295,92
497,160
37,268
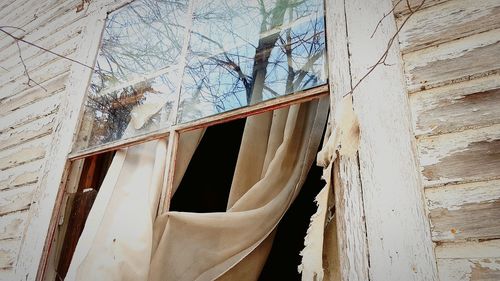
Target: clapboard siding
471,155
401,6
448,21
11,225
21,175
8,253
28,113
32,95
466,211
454,61
36,129
457,107
16,199
58,67
451,56
65,47
469,261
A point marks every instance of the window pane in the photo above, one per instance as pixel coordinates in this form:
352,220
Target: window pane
130,111
134,84
244,52
140,39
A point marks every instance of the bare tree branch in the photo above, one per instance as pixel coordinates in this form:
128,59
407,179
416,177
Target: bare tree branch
26,69
383,57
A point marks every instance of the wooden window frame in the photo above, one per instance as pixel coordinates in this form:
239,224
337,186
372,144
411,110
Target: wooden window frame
366,251
171,133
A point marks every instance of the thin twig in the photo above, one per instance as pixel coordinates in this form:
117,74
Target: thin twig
385,15
26,69
42,48
383,57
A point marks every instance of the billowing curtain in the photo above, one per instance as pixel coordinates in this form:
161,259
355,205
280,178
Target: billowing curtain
120,241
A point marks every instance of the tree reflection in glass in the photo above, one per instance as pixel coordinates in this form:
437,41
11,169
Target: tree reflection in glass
239,53
244,52
139,52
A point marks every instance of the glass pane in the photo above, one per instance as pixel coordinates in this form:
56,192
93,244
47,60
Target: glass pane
139,40
133,87
130,111
245,52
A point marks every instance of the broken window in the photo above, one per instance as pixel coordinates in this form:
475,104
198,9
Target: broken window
213,113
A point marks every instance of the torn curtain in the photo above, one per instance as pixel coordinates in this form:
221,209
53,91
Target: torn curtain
276,152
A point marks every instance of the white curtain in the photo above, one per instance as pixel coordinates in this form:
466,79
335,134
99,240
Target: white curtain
120,242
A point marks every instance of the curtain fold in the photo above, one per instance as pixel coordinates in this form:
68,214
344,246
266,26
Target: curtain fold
123,239
277,150
117,238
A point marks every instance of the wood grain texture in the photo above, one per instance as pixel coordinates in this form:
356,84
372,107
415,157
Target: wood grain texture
30,113
8,253
349,210
472,155
470,57
23,154
399,240
32,95
36,129
448,21
401,7
16,199
11,225
469,269
465,212
45,197
21,175
457,107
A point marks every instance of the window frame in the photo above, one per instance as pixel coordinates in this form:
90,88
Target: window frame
74,160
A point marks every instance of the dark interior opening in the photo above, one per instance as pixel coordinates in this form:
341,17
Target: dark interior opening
205,185
205,188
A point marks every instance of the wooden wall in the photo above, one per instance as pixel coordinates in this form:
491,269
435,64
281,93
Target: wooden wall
28,112
450,50
451,55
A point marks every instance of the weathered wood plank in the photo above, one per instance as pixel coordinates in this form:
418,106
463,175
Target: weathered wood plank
38,30
19,155
52,41
469,269
21,175
58,67
18,199
7,274
472,155
468,211
349,210
448,21
30,113
469,250
457,107
12,225
8,252
399,243
451,62
32,95
41,219
35,58
402,7
36,129
469,261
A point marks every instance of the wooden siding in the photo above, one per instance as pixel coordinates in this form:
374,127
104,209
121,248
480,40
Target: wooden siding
451,56
28,113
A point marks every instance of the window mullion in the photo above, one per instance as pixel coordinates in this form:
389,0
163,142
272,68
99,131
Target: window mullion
168,176
172,119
